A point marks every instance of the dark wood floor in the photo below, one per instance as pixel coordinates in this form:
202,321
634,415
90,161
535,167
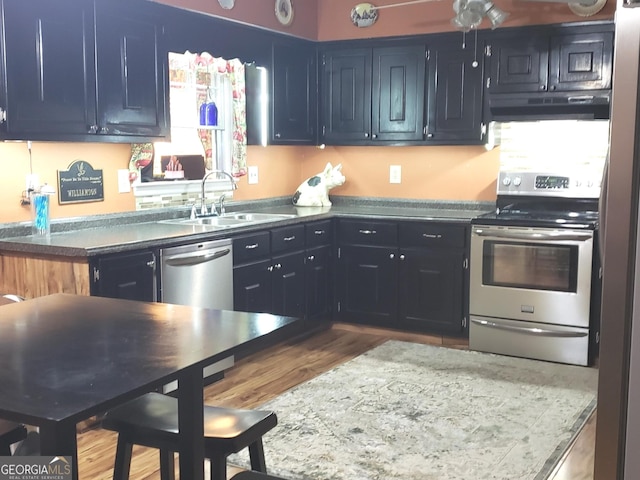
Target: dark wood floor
263,376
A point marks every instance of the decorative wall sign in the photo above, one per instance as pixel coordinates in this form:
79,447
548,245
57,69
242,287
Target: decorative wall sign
80,183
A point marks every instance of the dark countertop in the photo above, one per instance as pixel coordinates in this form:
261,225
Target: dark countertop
109,235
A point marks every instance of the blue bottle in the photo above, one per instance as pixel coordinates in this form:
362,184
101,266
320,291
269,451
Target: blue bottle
212,114
203,113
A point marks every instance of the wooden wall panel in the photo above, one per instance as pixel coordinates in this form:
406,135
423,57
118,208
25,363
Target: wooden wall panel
32,276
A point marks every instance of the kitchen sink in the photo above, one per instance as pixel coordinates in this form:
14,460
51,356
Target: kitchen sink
257,217
229,220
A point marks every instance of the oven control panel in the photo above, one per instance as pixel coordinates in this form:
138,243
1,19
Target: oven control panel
585,185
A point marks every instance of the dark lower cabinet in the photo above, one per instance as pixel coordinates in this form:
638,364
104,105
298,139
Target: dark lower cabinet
404,275
131,276
431,292
252,287
367,285
288,284
318,276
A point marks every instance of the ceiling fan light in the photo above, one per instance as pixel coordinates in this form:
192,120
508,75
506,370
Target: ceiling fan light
495,15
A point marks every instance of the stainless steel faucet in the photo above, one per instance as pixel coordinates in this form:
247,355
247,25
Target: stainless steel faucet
203,206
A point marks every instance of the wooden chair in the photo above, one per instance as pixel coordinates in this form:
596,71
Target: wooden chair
152,420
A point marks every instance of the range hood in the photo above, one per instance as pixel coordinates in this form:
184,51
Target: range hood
510,107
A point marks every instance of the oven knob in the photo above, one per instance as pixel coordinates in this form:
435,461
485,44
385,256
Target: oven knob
506,181
517,181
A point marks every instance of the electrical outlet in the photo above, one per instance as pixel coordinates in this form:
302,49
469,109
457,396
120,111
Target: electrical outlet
32,182
395,174
253,175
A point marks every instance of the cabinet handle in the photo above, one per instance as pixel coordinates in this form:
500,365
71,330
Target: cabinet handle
318,232
366,135
367,232
402,257
543,87
270,268
3,115
151,263
429,135
288,239
465,263
392,255
432,235
277,135
93,128
375,135
251,246
277,266
104,130
311,258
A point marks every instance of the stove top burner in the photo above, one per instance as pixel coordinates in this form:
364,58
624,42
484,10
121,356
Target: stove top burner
548,212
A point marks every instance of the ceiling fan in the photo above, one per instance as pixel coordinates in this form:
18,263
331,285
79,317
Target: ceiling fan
470,13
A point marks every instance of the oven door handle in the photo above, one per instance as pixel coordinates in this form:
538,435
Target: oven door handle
538,332
538,235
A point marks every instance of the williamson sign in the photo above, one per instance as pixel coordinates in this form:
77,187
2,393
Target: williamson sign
80,183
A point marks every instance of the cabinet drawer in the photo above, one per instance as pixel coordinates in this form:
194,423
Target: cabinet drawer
432,235
318,233
365,232
287,238
251,247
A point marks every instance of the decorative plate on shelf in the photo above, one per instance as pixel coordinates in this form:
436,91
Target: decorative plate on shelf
227,4
364,15
284,12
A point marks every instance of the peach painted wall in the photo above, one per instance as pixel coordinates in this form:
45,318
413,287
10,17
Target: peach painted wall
334,22
47,159
260,13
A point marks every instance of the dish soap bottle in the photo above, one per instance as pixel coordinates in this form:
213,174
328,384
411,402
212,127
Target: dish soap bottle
212,114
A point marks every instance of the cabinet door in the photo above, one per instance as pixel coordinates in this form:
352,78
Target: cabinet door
519,65
48,73
367,284
131,276
252,287
431,290
398,93
581,62
294,99
319,280
288,284
454,95
132,72
346,96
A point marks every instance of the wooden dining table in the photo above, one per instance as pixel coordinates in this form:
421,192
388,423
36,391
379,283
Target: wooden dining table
66,358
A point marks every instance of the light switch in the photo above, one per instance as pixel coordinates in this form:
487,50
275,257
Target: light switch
124,186
253,175
395,174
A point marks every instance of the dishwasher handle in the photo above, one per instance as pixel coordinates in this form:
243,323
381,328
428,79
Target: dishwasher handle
196,258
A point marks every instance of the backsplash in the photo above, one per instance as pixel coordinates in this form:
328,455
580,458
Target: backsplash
554,145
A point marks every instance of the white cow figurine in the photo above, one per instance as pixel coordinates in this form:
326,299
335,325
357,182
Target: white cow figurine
314,191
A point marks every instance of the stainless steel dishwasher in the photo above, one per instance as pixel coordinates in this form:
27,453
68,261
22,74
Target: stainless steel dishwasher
198,274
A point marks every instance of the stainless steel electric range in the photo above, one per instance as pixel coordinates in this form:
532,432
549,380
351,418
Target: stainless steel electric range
534,270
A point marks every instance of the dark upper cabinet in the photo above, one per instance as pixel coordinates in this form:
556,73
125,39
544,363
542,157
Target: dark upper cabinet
294,94
131,73
371,95
552,60
581,62
346,96
454,93
81,71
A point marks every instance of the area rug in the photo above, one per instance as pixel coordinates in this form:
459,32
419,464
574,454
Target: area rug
408,411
